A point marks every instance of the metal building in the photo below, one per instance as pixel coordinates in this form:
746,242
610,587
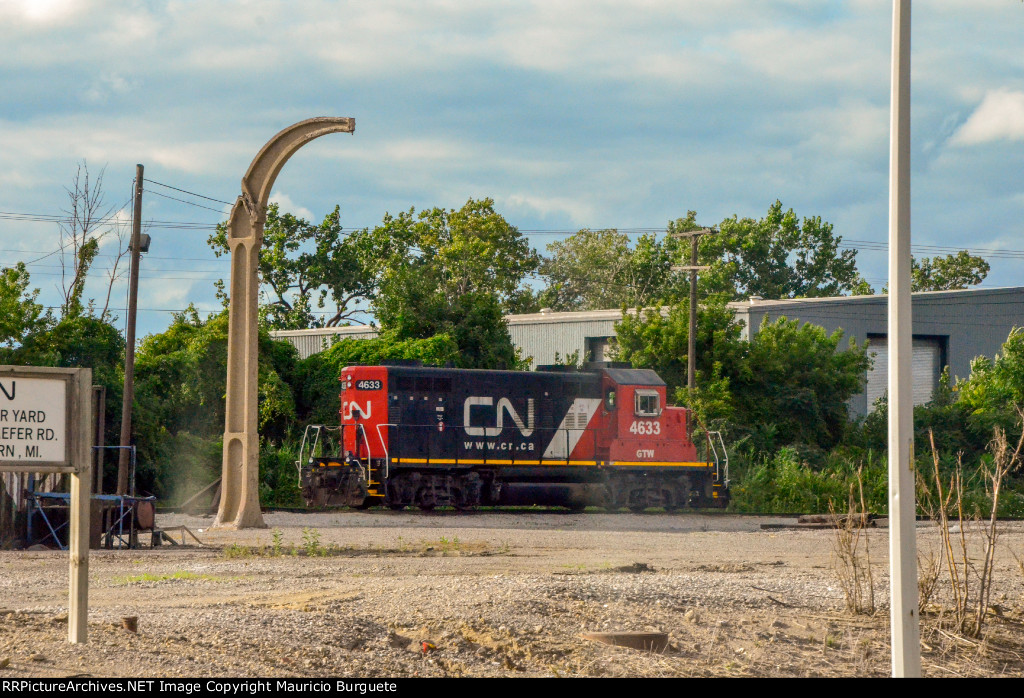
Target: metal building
319,339
950,329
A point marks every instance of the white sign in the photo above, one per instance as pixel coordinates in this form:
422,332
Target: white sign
33,420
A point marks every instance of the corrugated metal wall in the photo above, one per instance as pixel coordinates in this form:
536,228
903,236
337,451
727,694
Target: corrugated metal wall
540,336
542,340
310,342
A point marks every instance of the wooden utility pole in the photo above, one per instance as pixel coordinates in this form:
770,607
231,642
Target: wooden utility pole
691,351
129,352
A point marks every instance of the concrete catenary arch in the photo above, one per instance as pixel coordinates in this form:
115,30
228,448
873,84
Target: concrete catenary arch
239,501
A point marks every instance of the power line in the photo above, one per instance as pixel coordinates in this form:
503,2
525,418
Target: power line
185,191
184,225
190,203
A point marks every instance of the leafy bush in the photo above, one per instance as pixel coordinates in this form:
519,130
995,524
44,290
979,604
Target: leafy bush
317,376
784,483
279,480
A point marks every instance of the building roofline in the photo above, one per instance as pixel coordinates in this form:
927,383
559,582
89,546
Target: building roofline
320,331
877,298
615,315
573,316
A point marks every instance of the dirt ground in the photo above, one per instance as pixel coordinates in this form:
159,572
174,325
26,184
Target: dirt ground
388,594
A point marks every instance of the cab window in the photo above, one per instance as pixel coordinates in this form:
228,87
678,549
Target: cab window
609,400
648,403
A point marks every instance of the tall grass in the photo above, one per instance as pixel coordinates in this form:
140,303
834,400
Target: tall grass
788,482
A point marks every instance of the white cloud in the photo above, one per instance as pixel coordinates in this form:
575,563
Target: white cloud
578,211
1000,116
568,113
288,205
41,11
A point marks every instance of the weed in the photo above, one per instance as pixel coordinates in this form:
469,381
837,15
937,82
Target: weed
235,551
851,555
150,577
929,569
447,545
311,542
278,536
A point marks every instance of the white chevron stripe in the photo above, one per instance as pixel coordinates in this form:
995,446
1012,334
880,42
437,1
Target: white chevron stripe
570,431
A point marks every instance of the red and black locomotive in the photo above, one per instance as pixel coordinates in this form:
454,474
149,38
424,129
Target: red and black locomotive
426,437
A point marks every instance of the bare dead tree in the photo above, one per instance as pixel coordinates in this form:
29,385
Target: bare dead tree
851,552
122,230
80,234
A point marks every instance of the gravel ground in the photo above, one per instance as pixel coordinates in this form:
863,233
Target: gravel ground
357,594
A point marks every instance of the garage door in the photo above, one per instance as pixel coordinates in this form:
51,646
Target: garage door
927,367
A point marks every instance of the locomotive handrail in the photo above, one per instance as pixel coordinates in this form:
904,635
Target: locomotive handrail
318,429
369,453
302,448
384,443
725,456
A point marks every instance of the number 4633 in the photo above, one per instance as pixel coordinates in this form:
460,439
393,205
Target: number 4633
640,426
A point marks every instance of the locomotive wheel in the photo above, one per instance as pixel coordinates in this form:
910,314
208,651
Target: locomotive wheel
637,509
426,507
396,507
364,505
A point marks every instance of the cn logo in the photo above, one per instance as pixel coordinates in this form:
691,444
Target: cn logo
350,410
504,405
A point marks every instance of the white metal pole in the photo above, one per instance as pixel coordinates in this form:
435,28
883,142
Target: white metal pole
906,651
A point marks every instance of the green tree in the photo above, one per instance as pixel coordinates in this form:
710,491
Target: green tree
20,314
788,384
597,270
180,379
301,266
948,273
450,272
778,256
995,389
317,375
448,254
796,379
660,340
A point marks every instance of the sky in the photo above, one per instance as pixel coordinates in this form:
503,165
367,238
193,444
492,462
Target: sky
568,114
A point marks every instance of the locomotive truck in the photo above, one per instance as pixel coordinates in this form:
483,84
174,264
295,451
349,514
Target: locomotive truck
416,436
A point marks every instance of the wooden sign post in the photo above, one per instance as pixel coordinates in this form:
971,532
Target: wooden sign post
46,427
